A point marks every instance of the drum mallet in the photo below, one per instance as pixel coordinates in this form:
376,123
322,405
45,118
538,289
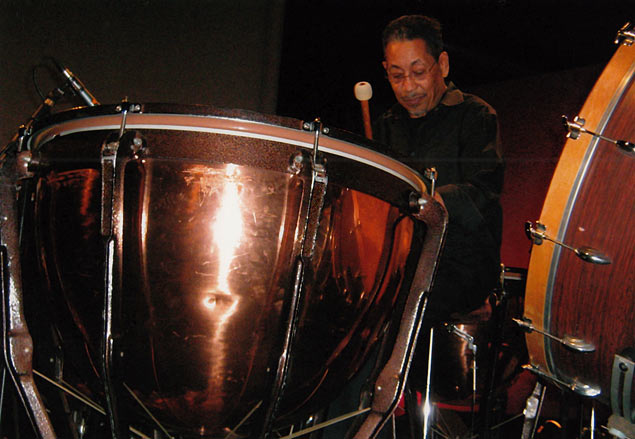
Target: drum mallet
363,93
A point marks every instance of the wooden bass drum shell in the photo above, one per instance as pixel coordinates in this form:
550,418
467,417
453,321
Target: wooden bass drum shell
589,203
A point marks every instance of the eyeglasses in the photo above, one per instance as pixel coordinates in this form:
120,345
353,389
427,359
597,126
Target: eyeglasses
417,75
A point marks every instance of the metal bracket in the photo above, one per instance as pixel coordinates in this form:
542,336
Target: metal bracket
416,202
626,35
621,384
536,233
390,384
317,128
533,407
111,206
124,108
453,329
575,128
620,428
319,183
286,353
108,160
17,344
24,160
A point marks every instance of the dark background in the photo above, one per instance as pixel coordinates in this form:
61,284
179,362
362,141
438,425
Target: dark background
533,60
326,49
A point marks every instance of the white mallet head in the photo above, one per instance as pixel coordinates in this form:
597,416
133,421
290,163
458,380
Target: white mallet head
363,91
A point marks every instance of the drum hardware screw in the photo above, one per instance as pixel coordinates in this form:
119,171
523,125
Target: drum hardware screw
416,203
128,107
320,172
111,147
80,423
297,163
25,164
315,125
574,128
536,233
626,35
137,144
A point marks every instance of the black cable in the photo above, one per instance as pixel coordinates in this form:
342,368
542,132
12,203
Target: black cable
43,64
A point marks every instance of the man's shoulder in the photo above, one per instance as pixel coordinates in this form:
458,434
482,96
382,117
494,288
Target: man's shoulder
472,102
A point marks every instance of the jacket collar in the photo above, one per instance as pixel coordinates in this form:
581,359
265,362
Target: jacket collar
452,96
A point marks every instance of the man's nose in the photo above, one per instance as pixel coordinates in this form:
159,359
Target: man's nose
409,83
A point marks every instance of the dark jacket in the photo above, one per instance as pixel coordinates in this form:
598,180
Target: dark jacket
459,138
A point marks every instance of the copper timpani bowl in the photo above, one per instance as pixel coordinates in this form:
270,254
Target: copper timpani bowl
201,271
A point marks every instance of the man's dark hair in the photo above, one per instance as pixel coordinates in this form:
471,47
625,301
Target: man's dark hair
411,27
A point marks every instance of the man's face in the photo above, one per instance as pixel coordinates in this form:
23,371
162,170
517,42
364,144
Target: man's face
416,78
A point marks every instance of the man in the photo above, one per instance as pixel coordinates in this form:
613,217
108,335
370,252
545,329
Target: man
435,125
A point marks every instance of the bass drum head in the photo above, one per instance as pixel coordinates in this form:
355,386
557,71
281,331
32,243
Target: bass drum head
589,204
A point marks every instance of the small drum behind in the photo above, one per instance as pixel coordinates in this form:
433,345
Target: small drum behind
208,271
484,340
589,307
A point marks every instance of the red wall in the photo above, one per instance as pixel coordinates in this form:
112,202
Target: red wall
533,136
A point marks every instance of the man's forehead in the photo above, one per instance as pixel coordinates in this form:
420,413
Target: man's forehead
415,63
398,51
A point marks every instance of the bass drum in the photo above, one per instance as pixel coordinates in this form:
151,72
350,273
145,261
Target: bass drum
589,204
199,273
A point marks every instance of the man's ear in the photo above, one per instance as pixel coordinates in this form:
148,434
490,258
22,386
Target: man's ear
444,63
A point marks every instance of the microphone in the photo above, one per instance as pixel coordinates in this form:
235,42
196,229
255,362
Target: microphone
79,89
